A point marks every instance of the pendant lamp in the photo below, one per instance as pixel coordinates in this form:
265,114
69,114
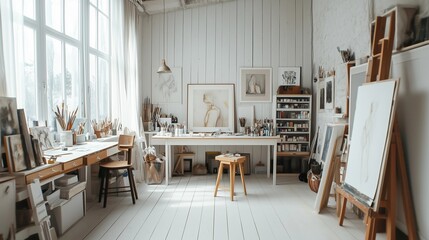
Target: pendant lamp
163,68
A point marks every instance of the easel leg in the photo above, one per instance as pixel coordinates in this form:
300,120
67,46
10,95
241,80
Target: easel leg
391,208
370,228
343,208
405,186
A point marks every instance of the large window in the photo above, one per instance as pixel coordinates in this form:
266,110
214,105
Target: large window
99,58
56,44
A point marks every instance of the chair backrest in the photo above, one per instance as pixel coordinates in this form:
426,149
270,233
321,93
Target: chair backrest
126,144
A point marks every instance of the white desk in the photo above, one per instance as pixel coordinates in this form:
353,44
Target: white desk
220,140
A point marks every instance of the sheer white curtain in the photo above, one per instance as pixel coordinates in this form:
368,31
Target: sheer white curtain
11,52
124,72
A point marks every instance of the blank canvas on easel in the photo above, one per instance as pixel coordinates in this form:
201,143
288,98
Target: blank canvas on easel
369,146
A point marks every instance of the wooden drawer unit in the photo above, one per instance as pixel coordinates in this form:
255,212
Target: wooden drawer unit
95,157
72,165
43,174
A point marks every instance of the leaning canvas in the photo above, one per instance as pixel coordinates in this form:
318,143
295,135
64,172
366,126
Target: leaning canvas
9,124
331,142
44,136
368,152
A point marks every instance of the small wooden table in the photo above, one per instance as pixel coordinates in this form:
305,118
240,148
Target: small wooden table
232,161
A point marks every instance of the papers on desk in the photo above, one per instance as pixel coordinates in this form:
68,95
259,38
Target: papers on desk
55,152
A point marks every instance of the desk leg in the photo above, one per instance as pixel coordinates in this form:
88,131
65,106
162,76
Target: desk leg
167,162
268,161
274,164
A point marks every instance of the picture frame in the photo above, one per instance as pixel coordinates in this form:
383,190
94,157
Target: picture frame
9,123
289,76
255,85
321,95
167,88
15,153
329,92
211,107
44,136
331,142
27,143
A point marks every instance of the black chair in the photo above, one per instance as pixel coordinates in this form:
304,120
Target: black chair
125,145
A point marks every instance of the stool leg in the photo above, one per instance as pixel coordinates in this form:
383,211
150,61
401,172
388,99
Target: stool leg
130,179
232,180
102,175
242,177
219,176
106,188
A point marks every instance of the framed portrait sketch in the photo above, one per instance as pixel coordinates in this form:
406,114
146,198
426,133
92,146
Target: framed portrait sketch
211,107
168,87
289,76
329,92
15,153
255,84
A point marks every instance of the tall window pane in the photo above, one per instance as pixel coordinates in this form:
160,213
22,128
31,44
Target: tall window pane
92,27
29,9
54,14
30,86
72,18
103,5
72,81
93,95
104,87
103,33
55,82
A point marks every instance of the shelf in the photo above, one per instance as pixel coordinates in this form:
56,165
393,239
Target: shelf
293,132
293,154
292,109
293,119
297,142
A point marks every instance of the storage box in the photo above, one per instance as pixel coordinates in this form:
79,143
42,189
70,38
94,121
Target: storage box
66,180
67,214
154,171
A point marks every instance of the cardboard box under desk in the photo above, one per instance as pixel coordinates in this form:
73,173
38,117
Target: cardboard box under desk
67,214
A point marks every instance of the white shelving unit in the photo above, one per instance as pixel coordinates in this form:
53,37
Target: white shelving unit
292,121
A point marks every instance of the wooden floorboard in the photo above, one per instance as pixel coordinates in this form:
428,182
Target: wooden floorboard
186,209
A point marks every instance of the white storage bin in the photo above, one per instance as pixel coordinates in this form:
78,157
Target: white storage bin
68,213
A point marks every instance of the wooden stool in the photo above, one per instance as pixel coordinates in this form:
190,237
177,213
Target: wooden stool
179,166
232,162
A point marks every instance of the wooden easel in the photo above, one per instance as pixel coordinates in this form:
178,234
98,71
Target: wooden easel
379,69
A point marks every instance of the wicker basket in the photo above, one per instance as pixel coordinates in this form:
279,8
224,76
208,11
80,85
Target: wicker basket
313,181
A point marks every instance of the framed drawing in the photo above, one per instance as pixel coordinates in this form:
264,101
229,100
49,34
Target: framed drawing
255,84
15,153
289,76
8,118
211,107
329,92
168,87
44,136
331,142
321,95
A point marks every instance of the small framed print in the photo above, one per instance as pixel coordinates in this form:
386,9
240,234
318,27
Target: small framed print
255,85
289,76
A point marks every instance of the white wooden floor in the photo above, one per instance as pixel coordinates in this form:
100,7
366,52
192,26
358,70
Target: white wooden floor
186,209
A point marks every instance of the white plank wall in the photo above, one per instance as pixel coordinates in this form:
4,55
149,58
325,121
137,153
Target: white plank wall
211,44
